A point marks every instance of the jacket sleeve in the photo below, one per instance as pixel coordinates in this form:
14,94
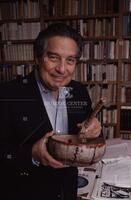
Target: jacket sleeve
11,153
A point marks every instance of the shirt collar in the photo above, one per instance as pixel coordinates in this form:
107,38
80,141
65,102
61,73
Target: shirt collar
43,88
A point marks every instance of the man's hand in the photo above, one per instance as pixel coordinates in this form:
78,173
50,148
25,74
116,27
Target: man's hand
93,129
40,153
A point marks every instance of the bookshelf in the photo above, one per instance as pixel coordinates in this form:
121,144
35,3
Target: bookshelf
125,81
105,66
19,26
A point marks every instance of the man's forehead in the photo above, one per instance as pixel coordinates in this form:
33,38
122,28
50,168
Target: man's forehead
59,44
49,53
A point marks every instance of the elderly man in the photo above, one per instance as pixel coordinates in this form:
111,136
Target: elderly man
35,107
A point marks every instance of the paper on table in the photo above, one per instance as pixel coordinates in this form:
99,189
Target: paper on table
118,172
104,191
86,180
115,181
116,150
119,141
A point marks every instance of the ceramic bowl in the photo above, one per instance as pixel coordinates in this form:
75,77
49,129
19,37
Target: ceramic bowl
69,150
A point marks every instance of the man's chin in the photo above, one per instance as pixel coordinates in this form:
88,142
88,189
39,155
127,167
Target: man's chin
56,87
59,84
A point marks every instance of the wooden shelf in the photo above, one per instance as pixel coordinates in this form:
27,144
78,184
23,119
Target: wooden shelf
99,61
78,17
9,42
19,20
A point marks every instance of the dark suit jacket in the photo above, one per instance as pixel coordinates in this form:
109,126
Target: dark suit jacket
24,120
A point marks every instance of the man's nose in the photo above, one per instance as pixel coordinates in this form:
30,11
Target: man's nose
61,66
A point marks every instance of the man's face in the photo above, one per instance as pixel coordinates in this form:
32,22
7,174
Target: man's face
58,63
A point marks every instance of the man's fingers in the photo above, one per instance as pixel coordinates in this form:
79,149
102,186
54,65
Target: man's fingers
49,160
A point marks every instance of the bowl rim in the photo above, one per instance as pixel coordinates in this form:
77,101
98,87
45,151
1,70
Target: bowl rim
90,143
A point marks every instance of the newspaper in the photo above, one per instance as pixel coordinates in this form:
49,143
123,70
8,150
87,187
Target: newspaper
106,191
86,179
117,172
115,151
115,181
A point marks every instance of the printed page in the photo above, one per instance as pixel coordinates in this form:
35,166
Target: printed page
86,181
105,191
116,150
117,172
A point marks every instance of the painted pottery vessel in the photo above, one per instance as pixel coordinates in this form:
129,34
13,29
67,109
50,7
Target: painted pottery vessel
77,150
69,150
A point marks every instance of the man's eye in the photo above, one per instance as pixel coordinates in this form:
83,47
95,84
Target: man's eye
53,58
71,60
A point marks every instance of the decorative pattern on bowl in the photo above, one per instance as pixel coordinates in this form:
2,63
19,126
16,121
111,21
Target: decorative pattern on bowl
69,150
